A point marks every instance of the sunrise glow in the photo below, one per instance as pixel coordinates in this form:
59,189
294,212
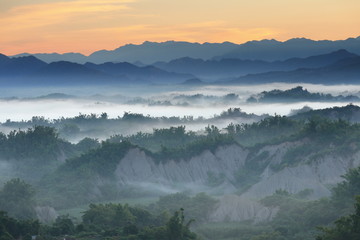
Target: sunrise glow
86,26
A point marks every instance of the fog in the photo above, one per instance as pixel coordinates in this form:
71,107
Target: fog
6,171
54,109
159,163
156,101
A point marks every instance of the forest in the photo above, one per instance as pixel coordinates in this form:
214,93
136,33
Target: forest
86,195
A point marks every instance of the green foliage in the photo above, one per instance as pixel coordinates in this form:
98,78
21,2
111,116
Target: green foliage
345,113
17,198
296,94
11,228
108,216
347,227
63,225
102,160
194,148
72,184
87,144
297,218
249,174
112,220
177,229
295,155
40,143
266,130
198,207
69,130
344,192
231,230
166,137
109,221
269,236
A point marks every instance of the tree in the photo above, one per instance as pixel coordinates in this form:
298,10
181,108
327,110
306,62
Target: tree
344,193
177,230
347,227
63,226
17,198
11,228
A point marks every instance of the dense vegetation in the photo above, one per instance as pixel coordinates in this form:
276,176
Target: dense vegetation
109,221
298,94
299,218
72,183
17,199
99,125
65,175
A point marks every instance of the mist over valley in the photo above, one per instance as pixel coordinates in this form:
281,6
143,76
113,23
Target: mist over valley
179,140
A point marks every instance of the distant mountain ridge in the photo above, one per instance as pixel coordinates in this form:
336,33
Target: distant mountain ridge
272,50
142,74
19,66
344,71
339,66
151,52
224,68
29,70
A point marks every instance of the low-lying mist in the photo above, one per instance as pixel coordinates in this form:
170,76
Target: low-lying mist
156,101
195,107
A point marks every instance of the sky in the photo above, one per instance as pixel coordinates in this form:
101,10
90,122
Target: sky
46,26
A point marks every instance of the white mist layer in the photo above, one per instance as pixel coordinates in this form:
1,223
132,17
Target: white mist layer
25,109
54,109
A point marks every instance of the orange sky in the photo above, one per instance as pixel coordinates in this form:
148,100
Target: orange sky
87,26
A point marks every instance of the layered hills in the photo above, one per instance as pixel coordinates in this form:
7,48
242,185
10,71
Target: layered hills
29,70
151,52
335,67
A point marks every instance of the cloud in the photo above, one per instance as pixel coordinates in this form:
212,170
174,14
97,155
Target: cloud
214,31
38,15
26,26
89,25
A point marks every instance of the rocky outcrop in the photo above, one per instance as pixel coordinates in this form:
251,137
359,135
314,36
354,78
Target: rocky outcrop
237,208
315,175
137,167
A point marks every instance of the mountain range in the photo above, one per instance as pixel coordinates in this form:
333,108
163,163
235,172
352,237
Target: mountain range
333,67
151,52
30,70
344,71
225,68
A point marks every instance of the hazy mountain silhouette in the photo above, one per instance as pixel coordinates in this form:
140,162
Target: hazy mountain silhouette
55,96
193,82
272,50
56,57
343,71
19,66
213,69
145,74
316,61
151,52
68,69
68,73
4,59
339,66
224,68
30,70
